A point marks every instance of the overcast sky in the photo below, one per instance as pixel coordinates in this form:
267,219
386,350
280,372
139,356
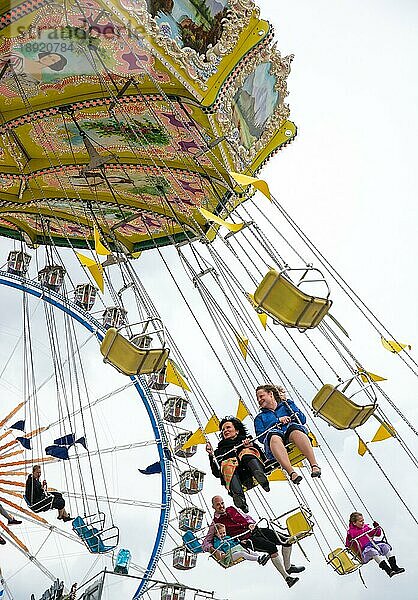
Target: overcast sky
350,181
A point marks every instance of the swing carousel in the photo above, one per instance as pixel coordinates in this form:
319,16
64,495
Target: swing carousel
152,282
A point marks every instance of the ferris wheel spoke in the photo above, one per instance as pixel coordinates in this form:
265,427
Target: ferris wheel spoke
117,448
33,560
125,501
114,392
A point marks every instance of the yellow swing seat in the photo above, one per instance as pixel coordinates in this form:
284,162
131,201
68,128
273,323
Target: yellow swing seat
128,358
299,525
339,410
284,301
344,561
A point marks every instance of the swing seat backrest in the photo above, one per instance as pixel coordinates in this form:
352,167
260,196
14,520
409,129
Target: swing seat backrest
343,561
128,358
90,536
192,543
338,410
284,301
298,526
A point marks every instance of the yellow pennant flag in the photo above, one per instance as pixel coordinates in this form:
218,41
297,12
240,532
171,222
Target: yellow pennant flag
211,217
198,437
384,432
242,410
261,316
393,346
98,246
362,448
277,475
263,319
366,376
95,269
175,375
136,254
243,345
245,180
212,425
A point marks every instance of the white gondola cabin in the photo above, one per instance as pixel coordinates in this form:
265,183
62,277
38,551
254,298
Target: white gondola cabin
52,277
85,295
191,518
173,592
175,409
114,316
181,439
18,262
183,559
191,482
157,382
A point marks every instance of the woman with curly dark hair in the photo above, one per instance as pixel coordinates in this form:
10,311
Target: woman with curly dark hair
237,460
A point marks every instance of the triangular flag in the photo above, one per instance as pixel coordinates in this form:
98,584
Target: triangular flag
175,376
212,425
95,269
242,410
362,448
151,469
19,425
366,376
198,437
25,442
243,345
259,184
393,346
97,274
384,432
98,246
262,316
136,254
277,475
66,440
211,217
82,441
263,319
57,452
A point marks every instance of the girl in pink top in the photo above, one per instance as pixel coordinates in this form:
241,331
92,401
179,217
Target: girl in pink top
361,540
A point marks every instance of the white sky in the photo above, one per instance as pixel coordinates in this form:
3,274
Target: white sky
349,180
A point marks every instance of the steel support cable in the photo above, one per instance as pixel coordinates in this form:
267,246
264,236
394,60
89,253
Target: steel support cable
384,394
60,385
239,286
403,444
214,309
195,319
348,290
408,510
76,355
238,301
205,406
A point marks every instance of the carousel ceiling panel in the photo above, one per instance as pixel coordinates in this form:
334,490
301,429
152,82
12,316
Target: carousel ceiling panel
201,40
104,114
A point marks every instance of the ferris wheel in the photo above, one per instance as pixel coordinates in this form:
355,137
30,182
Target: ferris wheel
49,407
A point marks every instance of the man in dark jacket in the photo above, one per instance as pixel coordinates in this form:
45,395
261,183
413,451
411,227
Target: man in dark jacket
39,499
262,539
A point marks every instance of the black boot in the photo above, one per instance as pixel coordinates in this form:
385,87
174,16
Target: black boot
240,502
257,471
384,565
394,566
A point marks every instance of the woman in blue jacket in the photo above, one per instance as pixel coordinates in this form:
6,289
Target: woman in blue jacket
279,422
